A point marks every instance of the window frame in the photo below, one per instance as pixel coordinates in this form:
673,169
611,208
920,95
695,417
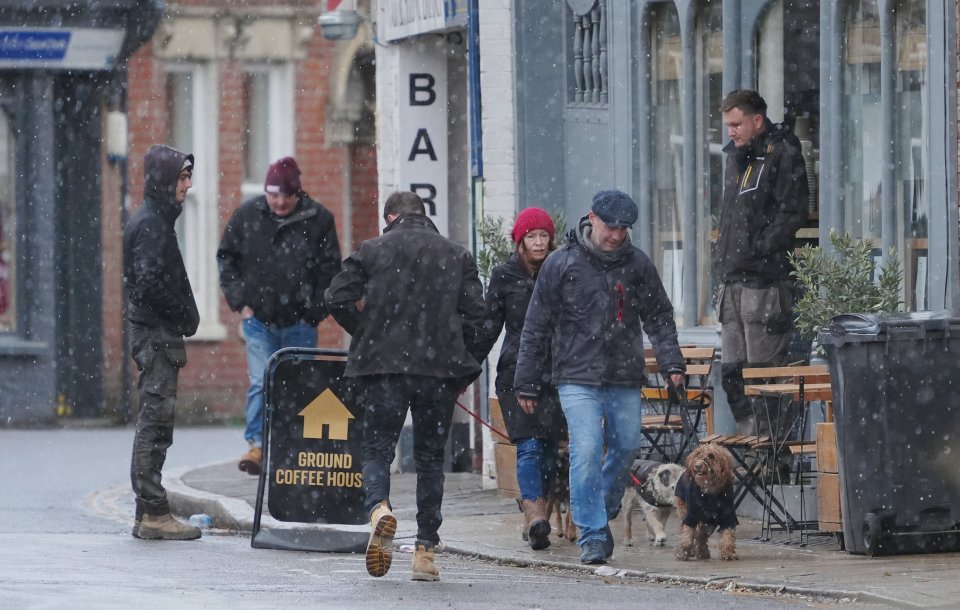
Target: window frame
199,221
281,140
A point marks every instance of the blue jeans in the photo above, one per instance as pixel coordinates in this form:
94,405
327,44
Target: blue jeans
262,341
598,416
536,466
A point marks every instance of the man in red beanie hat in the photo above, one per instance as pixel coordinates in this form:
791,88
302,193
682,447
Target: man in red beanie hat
277,256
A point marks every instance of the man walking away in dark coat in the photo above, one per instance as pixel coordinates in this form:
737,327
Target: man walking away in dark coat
278,254
765,200
413,302
594,298
161,310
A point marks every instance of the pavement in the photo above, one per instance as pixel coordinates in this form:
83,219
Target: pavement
482,523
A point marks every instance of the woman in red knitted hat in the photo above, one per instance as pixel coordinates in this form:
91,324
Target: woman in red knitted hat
536,436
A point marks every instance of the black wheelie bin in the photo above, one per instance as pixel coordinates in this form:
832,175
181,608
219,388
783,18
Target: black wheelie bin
896,393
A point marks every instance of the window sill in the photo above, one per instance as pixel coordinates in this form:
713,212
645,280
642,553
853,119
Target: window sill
209,332
13,345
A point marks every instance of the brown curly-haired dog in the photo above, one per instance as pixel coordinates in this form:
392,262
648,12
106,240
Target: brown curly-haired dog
704,498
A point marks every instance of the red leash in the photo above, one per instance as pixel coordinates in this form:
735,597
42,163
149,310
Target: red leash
479,419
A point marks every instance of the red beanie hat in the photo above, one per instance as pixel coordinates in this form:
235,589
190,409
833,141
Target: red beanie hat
529,220
283,177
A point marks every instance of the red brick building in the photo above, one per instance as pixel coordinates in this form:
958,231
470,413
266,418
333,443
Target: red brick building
240,84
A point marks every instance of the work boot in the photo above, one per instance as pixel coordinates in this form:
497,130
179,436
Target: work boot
251,460
383,525
165,527
536,524
423,565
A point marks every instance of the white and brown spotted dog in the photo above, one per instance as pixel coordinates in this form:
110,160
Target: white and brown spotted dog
704,498
651,487
558,497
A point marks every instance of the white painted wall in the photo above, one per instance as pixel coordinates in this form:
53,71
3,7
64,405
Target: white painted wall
498,118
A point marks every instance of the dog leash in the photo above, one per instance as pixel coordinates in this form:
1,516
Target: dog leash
480,419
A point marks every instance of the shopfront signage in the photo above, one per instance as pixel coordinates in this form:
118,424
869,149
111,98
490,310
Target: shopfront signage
399,19
422,120
59,48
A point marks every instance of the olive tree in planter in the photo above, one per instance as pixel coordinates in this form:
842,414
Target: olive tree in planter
844,281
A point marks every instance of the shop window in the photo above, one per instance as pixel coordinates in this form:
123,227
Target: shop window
191,93
911,132
8,225
667,146
588,52
863,142
267,130
711,136
788,78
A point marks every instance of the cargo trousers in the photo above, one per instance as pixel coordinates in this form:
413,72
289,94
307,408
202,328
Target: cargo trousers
159,355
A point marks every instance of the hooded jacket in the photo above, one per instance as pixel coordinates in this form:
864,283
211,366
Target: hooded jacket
158,289
590,306
766,199
279,267
422,304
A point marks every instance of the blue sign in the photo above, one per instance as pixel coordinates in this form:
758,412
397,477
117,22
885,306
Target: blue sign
34,45
59,48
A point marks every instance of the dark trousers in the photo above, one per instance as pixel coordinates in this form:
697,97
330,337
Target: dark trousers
386,399
159,356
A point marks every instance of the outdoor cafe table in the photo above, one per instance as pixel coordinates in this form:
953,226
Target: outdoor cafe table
795,390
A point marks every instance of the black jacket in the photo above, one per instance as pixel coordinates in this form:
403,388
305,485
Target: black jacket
590,305
158,289
422,304
766,198
279,267
507,298
715,509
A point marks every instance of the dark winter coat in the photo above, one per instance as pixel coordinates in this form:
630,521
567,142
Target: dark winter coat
766,199
279,267
590,305
158,289
422,304
712,509
507,298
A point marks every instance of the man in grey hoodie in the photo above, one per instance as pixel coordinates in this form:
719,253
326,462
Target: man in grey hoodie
161,310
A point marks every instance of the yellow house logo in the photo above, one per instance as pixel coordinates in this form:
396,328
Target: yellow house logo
326,410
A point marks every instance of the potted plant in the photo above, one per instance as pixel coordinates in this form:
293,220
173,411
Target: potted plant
844,281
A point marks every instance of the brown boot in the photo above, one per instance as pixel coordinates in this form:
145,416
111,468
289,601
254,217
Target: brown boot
251,460
537,526
383,526
165,527
423,566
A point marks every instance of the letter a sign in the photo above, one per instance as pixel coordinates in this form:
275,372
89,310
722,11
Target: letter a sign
422,151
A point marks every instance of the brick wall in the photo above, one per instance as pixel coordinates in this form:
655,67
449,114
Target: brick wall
213,385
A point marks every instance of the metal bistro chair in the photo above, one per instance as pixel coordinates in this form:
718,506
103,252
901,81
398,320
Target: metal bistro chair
674,416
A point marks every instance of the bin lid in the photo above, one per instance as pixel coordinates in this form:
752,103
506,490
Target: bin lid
862,327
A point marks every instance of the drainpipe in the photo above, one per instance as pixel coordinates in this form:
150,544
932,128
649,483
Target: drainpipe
476,187
142,22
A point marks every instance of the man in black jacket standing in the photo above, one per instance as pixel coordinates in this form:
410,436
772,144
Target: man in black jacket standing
278,254
161,310
765,200
413,302
590,300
